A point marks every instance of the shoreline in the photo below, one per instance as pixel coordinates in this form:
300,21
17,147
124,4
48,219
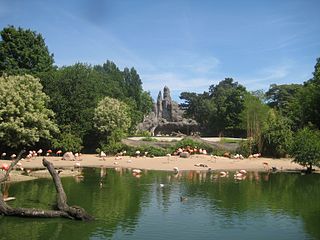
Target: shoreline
166,163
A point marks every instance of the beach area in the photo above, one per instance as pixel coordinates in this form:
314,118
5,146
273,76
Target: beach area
167,163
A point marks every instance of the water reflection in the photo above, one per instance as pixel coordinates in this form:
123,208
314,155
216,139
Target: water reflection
157,205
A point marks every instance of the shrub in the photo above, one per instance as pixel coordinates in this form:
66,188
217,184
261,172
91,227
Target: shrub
68,142
306,148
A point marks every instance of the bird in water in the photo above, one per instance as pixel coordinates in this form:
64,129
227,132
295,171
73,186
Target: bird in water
183,199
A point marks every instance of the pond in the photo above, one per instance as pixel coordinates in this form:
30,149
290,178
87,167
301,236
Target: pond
161,205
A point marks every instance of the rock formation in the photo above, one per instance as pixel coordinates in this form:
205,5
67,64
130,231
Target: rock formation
167,118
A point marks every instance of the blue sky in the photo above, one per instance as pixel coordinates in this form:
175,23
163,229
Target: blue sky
186,45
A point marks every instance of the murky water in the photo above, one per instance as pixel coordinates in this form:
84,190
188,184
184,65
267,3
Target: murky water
160,205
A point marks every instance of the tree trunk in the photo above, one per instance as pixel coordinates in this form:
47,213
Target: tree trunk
64,210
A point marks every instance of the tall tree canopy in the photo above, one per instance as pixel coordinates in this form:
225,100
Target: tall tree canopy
110,115
24,117
23,52
280,96
228,97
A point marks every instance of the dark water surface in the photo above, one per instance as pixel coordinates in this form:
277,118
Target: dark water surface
263,206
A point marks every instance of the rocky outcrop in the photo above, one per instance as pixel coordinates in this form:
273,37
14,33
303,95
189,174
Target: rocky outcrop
167,118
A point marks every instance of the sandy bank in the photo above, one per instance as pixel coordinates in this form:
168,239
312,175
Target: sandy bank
157,163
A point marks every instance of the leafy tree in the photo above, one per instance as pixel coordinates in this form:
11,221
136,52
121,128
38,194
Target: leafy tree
228,97
280,96
199,107
311,98
24,117
306,148
23,52
254,116
277,135
68,142
110,115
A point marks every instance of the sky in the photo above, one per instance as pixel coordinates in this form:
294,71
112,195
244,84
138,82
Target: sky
186,45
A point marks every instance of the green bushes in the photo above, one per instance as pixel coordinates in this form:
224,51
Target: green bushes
68,142
306,148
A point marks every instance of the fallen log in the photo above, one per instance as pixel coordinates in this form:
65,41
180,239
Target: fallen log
63,209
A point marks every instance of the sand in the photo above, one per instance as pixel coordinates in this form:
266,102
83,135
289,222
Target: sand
157,163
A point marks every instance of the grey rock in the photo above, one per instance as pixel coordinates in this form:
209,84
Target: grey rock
167,118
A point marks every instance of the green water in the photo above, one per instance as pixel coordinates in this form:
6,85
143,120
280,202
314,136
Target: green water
263,206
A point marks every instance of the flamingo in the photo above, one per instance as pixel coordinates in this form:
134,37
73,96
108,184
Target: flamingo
40,152
13,156
137,171
3,155
223,174
59,152
5,166
243,171
137,153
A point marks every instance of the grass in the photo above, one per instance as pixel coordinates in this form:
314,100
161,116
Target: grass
230,140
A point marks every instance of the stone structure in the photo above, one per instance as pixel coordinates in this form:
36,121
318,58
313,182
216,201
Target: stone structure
167,118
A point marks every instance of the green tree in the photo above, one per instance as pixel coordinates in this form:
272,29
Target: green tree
280,96
23,52
254,116
24,117
228,97
277,135
198,107
306,148
110,115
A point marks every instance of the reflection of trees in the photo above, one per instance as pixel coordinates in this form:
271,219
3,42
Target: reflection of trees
116,204
295,194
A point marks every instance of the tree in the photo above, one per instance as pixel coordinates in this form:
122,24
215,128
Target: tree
198,107
306,148
23,52
254,117
24,117
277,135
280,96
110,115
228,97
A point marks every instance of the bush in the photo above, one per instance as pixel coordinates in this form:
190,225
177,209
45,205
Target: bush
247,147
277,135
68,142
149,139
306,148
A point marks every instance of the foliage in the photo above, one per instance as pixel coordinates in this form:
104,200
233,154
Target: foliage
254,116
277,135
280,96
217,111
76,90
199,107
24,117
152,151
306,147
247,147
149,139
110,115
228,97
68,142
143,134
23,52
